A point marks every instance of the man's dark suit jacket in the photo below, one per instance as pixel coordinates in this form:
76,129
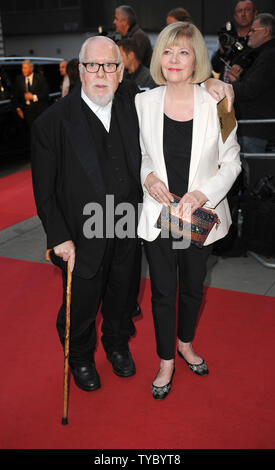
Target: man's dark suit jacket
39,87
255,92
143,42
67,175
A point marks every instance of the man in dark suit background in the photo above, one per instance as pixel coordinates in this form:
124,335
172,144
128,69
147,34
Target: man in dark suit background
30,93
134,69
126,25
85,147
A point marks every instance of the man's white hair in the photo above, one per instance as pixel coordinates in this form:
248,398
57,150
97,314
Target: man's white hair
82,52
27,61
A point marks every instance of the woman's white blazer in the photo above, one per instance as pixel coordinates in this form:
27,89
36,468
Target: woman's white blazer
214,165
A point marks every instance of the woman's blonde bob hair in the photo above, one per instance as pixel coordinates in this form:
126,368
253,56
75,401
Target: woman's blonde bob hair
171,35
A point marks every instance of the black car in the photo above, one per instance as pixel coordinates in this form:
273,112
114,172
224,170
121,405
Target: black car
13,133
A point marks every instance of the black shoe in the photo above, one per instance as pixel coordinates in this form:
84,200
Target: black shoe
199,369
159,393
86,377
122,362
135,313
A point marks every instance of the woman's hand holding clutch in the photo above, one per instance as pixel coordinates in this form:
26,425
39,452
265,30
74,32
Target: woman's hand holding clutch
158,190
190,202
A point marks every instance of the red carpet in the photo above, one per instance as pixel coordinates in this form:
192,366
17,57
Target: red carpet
16,198
232,408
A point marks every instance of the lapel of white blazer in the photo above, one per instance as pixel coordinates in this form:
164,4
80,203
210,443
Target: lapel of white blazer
201,110
156,128
200,119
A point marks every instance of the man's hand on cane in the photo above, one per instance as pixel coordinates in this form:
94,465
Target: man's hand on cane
66,250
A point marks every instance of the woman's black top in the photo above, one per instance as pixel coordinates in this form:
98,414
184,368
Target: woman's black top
177,144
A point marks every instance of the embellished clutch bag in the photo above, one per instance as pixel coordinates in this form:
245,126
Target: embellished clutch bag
202,222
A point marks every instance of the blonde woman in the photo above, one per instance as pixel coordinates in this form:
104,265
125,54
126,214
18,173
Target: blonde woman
183,154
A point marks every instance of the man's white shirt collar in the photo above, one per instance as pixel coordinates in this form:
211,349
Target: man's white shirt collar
102,112
29,79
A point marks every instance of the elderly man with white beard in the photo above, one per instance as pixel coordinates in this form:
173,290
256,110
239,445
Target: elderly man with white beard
85,148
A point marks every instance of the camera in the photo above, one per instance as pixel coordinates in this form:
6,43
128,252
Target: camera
229,39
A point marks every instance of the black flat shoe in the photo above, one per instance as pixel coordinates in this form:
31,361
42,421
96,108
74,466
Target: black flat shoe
122,362
159,393
199,369
86,377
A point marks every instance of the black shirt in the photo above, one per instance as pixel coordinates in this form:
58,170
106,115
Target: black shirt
177,144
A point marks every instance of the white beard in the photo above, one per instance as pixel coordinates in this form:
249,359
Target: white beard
101,100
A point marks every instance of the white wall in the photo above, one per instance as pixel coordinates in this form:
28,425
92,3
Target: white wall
2,49
66,46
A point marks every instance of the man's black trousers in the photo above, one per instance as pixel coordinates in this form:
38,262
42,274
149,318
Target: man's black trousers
114,288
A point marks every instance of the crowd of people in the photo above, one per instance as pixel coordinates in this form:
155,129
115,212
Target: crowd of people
247,62
105,137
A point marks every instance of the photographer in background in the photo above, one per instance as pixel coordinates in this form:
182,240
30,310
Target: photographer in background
255,88
233,48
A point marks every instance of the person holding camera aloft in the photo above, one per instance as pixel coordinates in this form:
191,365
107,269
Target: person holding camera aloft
233,49
255,88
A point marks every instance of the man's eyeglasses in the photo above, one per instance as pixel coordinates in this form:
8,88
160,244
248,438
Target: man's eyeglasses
253,30
93,67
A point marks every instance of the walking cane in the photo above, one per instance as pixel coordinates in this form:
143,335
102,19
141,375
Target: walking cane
67,341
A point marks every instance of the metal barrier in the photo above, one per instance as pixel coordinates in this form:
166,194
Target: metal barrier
55,95
5,101
256,121
261,260
51,96
267,155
